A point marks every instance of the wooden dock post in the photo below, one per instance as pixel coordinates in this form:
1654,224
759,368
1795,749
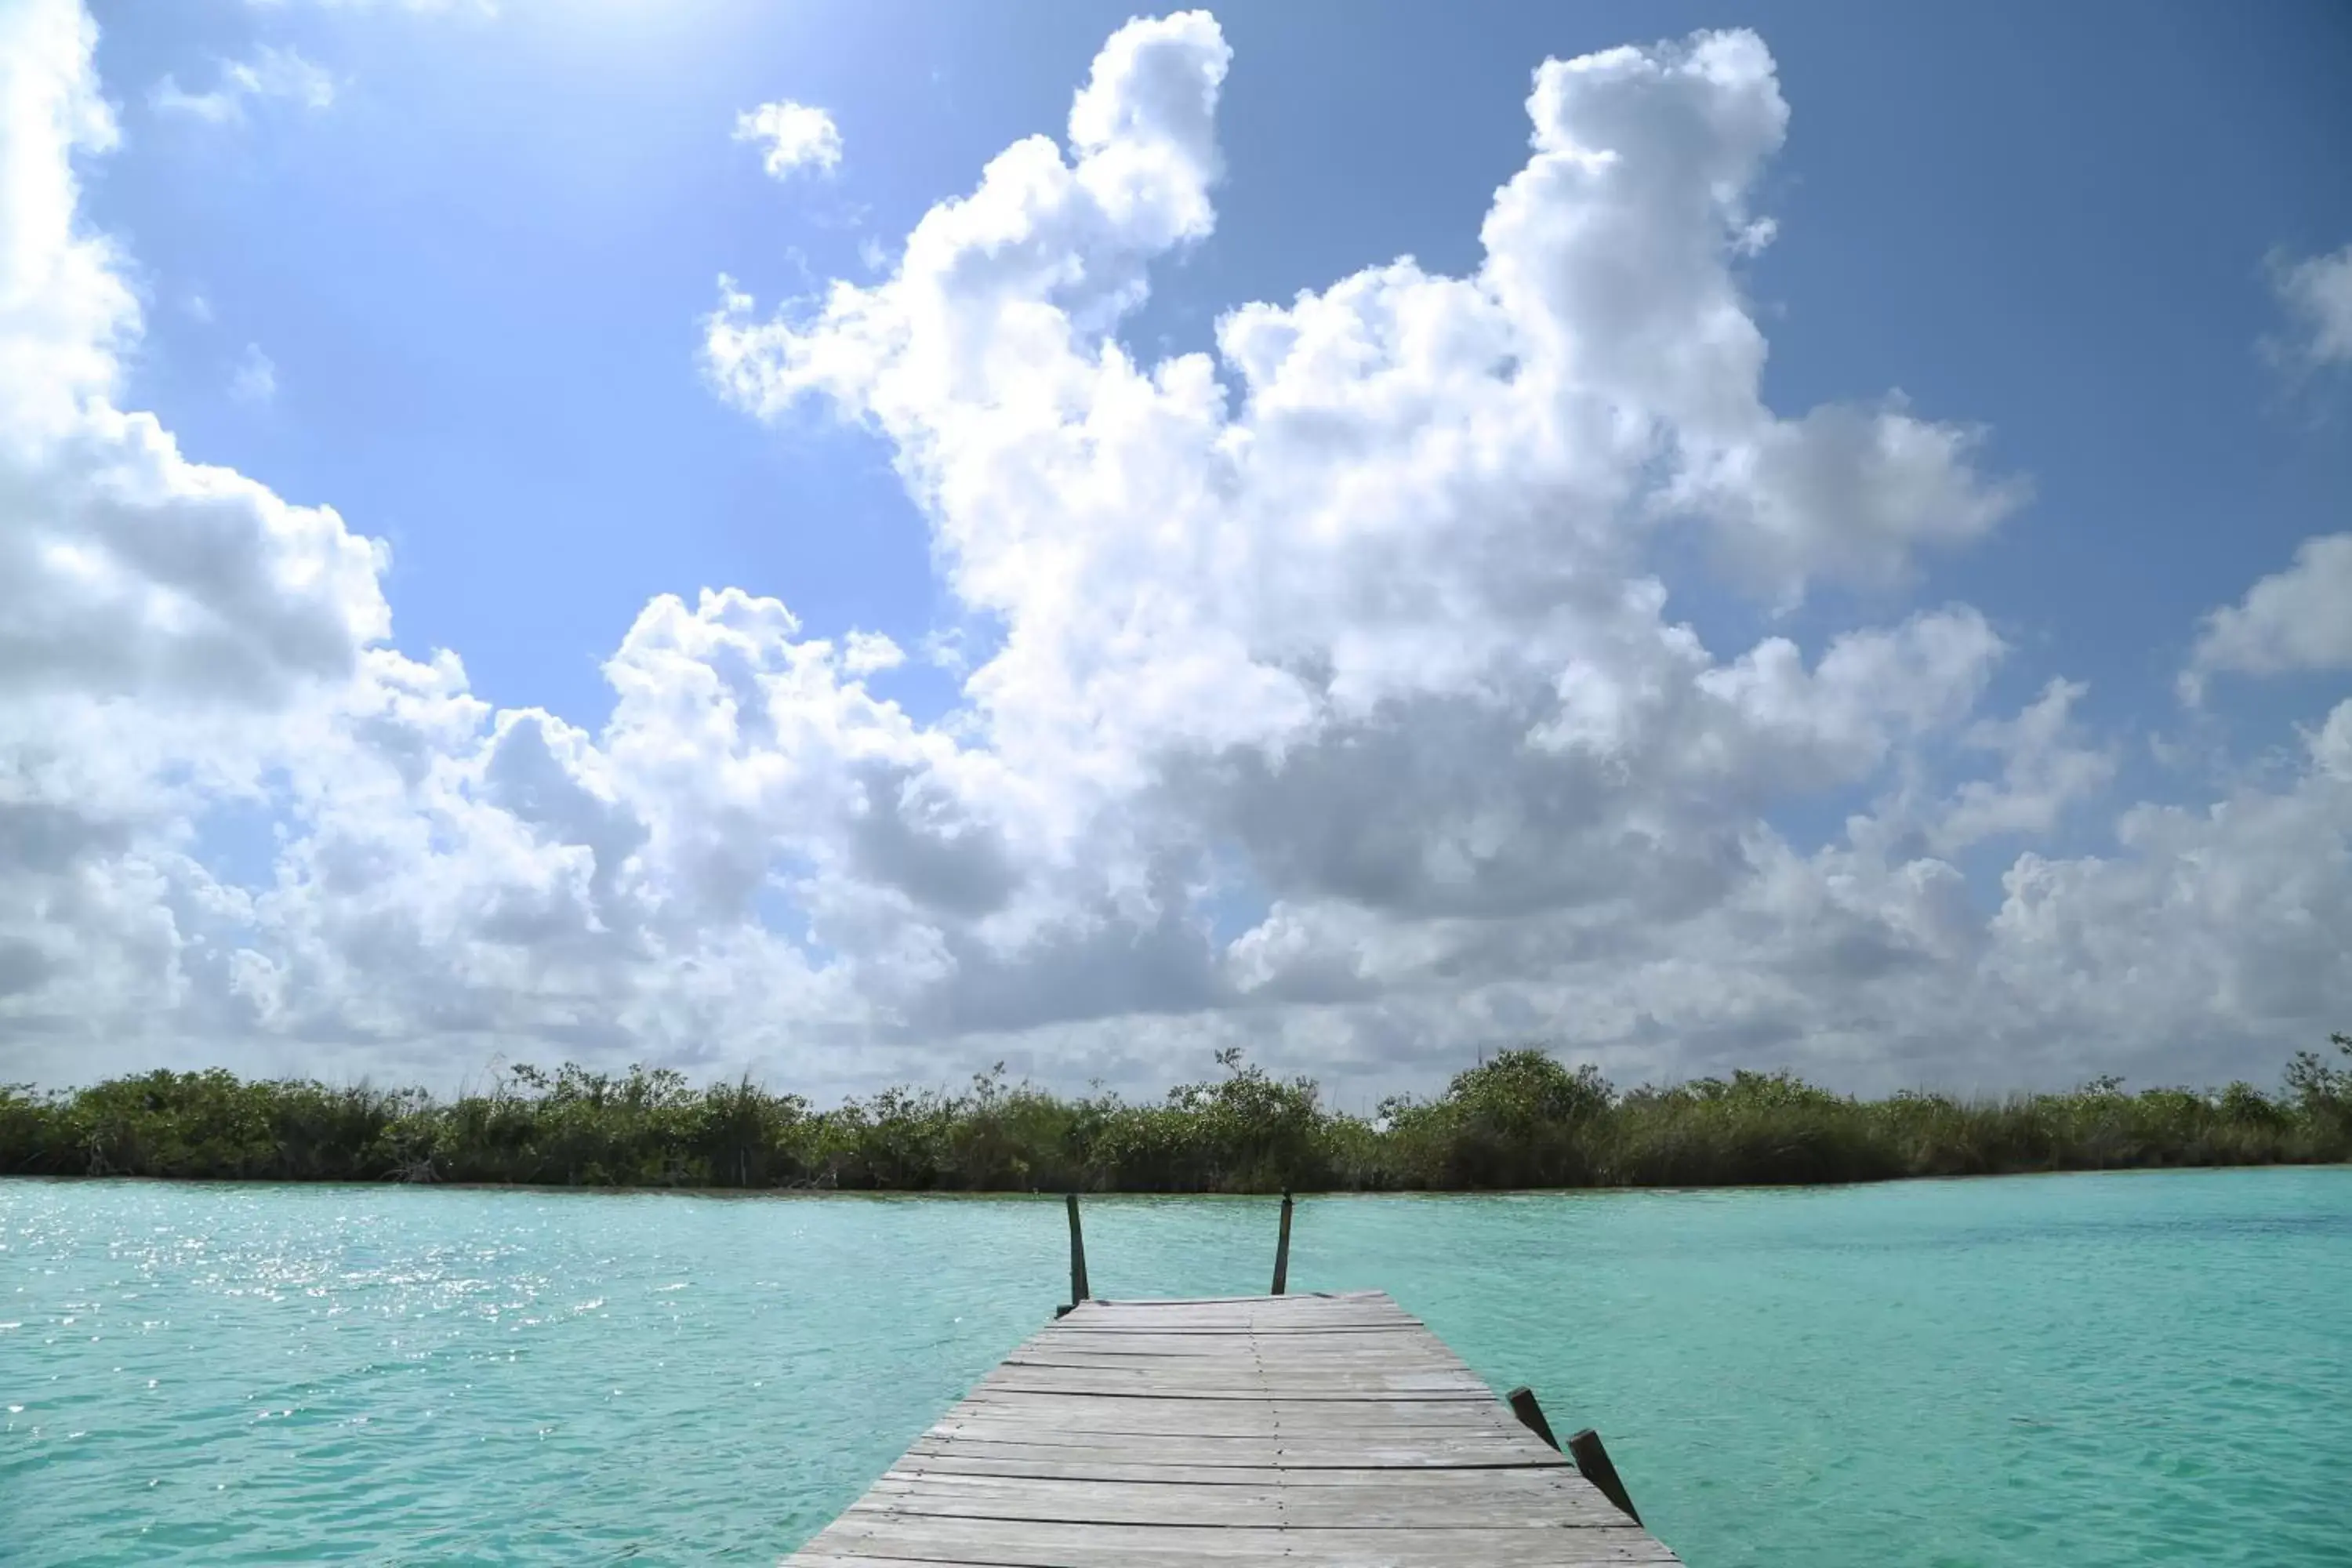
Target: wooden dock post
1592,1458
1593,1464
1522,1401
1079,1294
1282,1247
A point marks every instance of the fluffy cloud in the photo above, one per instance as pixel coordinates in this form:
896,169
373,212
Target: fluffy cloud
474,8
271,73
255,379
2044,770
1372,613
64,308
2317,293
162,619
2331,744
790,137
2297,619
1333,702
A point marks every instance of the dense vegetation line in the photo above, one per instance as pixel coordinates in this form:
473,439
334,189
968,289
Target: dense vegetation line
1520,1119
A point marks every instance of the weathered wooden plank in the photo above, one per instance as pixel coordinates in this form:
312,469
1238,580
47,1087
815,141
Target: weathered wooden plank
1179,1364
1306,1304
1340,1315
1527,1498
1360,1334
1105,1413
1461,1435
1401,1351
1388,1446
1291,1304
1300,1392
1316,1431
1396,1450
1334,1372
1175,1363
1034,1543
1285,1332
1313,1309
1078,1383
1079,1395
1094,1467
1403,1340
1296,1451
1301,1401
1206,1340
1464,1548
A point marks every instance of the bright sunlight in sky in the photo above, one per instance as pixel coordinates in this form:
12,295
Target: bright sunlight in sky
855,540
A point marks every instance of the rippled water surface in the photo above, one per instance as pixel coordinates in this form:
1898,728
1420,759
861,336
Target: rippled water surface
2078,1370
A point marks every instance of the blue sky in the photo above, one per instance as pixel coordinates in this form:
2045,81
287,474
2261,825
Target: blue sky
451,271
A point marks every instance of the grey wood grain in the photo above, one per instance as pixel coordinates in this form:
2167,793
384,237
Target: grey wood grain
1345,1468
1114,1412
1034,1543
1316,1431
1524,1498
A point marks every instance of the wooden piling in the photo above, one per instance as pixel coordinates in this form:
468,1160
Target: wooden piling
1522,1401
1282,1248
1079,1294
1593,1464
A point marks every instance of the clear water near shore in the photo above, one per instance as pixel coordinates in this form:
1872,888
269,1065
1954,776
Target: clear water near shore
2151,1368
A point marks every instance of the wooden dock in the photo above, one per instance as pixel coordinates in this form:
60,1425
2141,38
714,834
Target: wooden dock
1306,1430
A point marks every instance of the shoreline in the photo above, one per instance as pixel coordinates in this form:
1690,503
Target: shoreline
963,1194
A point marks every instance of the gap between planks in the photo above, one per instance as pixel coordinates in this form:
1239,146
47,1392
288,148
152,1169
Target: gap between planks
1313,1431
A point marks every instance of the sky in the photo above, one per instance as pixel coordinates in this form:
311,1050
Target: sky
855,543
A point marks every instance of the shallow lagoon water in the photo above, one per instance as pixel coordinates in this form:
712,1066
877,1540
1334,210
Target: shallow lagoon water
2146,1368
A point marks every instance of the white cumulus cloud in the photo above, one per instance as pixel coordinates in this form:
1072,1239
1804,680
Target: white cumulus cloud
2298,619
472,7
790,137
864,653
271,73
2316,294
255,379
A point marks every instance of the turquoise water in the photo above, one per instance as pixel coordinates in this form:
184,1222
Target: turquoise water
2076,1370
